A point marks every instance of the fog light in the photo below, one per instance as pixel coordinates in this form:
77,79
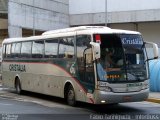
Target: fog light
103,101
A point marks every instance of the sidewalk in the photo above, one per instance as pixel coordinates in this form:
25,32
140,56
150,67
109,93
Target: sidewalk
154,97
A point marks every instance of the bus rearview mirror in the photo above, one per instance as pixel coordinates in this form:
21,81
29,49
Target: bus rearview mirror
154,48
96,50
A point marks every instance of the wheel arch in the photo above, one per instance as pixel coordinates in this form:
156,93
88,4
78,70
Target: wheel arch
66,86
17,77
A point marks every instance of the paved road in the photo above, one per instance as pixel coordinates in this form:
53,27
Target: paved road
32,106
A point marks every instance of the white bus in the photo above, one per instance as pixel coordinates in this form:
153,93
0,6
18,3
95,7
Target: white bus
71,63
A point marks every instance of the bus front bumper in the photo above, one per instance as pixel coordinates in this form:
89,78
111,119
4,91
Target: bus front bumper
103,97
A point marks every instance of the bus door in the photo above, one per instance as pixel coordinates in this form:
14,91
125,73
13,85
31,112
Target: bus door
85,63
89,70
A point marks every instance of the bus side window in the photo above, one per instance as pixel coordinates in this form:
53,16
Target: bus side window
26,49
4,51
37,49
8,50
16,50
13,50
51,48
66,47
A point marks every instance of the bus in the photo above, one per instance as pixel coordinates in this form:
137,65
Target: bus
71,63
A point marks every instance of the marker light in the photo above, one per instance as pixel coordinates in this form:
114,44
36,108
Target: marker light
98,38
103,101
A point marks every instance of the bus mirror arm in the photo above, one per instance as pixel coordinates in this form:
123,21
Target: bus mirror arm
151,59
96,50
155,50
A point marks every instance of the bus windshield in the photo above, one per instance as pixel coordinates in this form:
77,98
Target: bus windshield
122,58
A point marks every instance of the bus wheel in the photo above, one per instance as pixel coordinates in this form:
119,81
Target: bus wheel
71,96
18,86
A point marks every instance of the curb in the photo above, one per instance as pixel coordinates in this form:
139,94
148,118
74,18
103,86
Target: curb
155,100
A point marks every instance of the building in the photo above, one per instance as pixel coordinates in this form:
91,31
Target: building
139,15
3,19
32,17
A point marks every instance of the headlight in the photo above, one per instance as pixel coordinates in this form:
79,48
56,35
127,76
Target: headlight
106,88
145,85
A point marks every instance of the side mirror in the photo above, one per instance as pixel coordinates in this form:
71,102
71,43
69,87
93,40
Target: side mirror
96,50
154,47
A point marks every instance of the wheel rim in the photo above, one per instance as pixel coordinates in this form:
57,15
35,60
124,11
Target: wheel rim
71,97
18,89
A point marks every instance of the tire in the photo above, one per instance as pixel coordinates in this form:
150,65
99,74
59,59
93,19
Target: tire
18,87
71,96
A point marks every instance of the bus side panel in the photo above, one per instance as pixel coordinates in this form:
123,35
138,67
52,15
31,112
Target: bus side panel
41,78
8,77
45,78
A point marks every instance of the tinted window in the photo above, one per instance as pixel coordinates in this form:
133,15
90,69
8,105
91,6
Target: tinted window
51,47
13,48
16,49
4,51
84,58
37,49
8,50
26,49
66,47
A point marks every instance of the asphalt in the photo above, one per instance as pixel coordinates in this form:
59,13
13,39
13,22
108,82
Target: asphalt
153,96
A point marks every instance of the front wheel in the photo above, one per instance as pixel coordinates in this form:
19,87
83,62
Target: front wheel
18,87
71,96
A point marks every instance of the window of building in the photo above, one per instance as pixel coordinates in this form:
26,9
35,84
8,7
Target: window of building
38,49
51,48
26,49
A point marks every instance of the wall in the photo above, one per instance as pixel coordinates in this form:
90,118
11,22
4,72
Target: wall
3,6
37,14
94,11
95,6
3,29
139,15
149,30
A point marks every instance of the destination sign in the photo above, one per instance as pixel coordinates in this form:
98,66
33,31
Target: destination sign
132,41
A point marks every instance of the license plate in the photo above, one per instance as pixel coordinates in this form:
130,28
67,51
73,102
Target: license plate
134,84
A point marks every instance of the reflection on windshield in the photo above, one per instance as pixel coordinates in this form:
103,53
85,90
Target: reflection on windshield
134,56
122,58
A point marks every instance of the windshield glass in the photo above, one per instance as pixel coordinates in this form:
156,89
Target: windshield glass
122,58
135,58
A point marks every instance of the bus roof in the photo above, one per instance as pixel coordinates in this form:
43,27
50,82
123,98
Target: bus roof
72,31
90,29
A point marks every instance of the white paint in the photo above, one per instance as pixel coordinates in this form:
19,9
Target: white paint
96,6
45,15
129,5
86,6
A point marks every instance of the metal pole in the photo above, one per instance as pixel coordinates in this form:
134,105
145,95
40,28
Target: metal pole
33,18
105,13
